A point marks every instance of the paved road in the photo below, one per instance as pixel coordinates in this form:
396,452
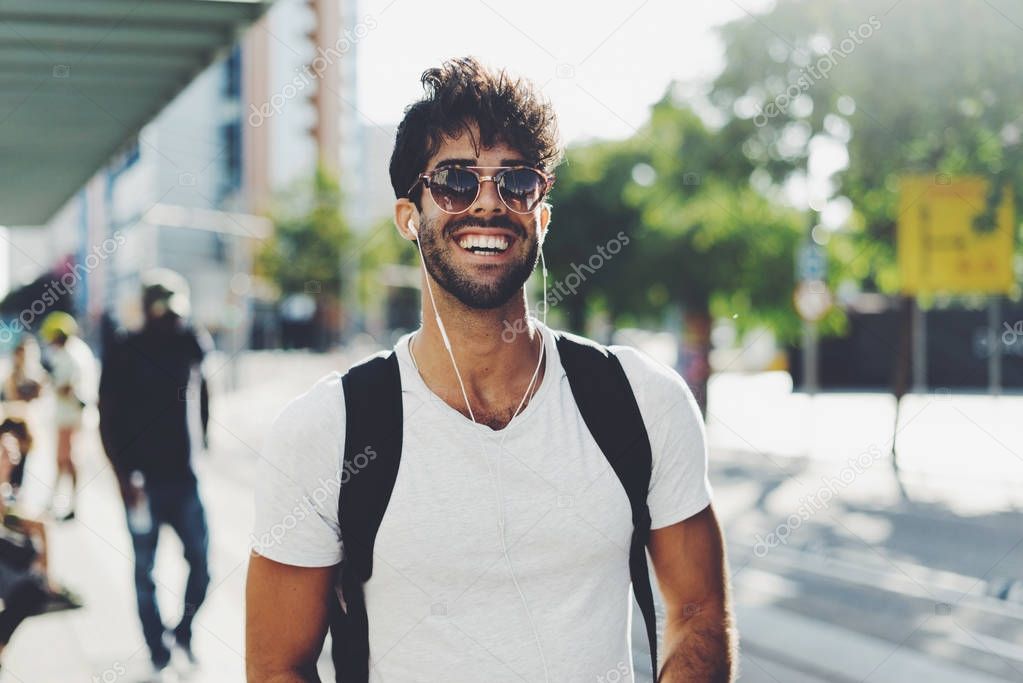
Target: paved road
888,579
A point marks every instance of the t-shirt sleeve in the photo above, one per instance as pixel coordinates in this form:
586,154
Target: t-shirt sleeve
200,343
679,487
299,478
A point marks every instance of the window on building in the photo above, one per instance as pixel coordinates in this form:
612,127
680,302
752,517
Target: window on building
233,73
231,143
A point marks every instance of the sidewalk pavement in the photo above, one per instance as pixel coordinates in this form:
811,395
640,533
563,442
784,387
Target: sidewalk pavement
879,577
848,576
93,556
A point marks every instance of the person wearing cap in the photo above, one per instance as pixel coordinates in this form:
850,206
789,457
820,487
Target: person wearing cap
71,369
150,381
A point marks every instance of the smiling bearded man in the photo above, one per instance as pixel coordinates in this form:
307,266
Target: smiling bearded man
471,507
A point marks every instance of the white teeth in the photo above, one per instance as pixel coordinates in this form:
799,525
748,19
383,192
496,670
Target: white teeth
498,243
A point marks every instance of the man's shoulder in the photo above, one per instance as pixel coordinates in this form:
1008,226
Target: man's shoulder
382,354
122,340
319,407
654,383
639,366
198,337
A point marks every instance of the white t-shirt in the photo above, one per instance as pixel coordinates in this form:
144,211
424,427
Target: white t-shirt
442,602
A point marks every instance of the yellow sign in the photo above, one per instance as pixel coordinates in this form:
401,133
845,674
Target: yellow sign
941,247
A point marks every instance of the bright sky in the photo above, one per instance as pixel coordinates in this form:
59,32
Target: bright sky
601,63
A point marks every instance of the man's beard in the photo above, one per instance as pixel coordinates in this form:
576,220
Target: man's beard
437,252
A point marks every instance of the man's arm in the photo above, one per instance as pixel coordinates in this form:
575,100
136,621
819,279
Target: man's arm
202,345
285,620
699,639
112,405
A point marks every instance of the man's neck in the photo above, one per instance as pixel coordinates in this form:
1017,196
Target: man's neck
496,351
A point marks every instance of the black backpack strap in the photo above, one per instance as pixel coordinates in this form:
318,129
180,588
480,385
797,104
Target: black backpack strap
608,406
373,435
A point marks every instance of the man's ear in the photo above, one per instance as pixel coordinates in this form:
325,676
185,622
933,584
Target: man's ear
405,213
545,221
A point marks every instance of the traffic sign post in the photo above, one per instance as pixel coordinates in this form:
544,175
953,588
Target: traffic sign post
812,301
811,262
951,242
943,244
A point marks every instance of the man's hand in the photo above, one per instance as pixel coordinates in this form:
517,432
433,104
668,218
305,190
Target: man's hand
285,620
699,640
129,493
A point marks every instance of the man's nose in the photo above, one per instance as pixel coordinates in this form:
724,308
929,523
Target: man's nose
489,202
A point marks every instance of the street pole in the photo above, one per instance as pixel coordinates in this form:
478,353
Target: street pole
811,366
919,347
994,345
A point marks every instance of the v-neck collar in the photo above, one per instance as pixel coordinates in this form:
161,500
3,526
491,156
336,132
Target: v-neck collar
413,381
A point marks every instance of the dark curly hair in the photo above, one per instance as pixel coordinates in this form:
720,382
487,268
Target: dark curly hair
462,92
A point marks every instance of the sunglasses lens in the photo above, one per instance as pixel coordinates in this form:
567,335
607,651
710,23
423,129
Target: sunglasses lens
454,189
522,189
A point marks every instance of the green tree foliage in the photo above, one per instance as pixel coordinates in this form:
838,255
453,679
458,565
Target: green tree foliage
310,234
388,284
590,210
710,242
701,240
700,236
916,86
304,252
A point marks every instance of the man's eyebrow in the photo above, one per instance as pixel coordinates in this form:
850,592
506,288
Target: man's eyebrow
472,162
455,162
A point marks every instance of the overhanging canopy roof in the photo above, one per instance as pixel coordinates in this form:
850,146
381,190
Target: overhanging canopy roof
78,78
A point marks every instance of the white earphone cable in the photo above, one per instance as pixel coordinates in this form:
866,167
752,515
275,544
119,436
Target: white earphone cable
498,491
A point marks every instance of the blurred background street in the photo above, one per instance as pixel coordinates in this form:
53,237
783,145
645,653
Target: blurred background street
807,209
908,577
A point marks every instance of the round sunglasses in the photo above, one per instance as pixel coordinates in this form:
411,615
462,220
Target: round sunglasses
455,188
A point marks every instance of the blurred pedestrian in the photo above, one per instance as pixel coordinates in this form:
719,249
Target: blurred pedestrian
150,380
71,370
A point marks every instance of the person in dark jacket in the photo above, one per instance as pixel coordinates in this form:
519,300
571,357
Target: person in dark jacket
150,382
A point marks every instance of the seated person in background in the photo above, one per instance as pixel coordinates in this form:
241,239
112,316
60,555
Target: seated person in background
23,384
26,587
12,459
25,380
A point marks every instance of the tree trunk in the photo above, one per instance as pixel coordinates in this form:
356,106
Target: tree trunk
695,360
575,314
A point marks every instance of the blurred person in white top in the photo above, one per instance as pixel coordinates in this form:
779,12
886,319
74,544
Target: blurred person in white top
72,373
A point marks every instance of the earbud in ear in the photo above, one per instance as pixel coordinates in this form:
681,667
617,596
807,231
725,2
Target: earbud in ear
412,228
